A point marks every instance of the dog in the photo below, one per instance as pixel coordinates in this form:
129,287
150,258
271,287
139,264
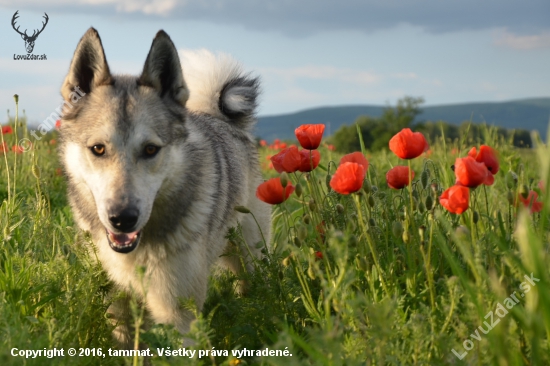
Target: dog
156,165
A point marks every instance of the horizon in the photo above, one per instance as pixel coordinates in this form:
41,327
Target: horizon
423,105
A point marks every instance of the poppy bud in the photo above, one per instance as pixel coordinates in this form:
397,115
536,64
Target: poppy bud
371,201
35,171
297,242
310,273
406,237
339,208
374,189
298,189
372,223
312,205
16,98
335,305
363,264
424,178
430,216
301,231
284,179
286,261
242,209
397,229
307,219
524,191
511,180
475,217
429,203
367,186
421,231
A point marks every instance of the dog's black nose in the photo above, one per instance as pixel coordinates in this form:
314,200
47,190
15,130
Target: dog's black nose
124,220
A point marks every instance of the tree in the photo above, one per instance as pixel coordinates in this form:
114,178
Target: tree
377,132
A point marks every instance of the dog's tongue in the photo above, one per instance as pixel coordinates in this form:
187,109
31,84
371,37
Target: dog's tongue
123,239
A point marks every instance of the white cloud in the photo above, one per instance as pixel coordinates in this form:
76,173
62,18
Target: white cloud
307,17
405,75
327,73
507,39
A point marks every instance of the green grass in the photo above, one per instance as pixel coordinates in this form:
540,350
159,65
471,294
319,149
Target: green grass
396,285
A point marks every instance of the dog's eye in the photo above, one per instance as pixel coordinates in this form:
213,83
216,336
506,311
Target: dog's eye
98,150
151,150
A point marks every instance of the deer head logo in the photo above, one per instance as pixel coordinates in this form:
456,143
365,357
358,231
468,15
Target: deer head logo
29,40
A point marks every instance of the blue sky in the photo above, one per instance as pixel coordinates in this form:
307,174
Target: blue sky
308,53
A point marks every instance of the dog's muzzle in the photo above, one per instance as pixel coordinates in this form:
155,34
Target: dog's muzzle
124,242
124,222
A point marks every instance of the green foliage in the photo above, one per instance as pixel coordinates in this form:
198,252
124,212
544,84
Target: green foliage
377,132
473,133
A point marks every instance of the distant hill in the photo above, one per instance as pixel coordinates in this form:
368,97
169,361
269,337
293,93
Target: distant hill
529,114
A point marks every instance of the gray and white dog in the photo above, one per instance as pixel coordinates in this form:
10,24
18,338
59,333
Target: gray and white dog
156,164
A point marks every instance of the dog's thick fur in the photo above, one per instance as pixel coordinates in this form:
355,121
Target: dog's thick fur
155,166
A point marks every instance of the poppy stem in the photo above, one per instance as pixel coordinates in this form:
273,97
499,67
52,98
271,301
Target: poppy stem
410,194
486,201
369,242
4,150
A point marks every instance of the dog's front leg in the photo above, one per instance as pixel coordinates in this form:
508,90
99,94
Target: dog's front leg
120,315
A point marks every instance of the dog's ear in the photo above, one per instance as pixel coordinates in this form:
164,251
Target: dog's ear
162,70
89,67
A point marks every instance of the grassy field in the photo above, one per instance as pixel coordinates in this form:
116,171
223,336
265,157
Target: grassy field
382,277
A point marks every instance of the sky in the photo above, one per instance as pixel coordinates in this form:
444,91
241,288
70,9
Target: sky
308,53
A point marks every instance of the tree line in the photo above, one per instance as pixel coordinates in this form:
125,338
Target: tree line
377,131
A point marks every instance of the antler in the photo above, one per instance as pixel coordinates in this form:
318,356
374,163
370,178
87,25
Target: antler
15,16
34,35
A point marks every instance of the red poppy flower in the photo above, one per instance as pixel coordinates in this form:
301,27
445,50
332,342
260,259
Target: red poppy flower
58,124
4,148
53,142
310,136
531,201
319,255
398,177
17,149
288,160
408,145
455,199
6,130
331,147
470,173
355,157
486,156
309,160
348,178
272,191
263,143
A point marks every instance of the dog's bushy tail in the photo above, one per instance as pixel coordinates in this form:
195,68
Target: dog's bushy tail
218,86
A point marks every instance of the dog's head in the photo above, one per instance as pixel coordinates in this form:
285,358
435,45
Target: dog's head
118,134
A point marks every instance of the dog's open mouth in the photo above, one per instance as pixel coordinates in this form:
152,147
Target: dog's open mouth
124,242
